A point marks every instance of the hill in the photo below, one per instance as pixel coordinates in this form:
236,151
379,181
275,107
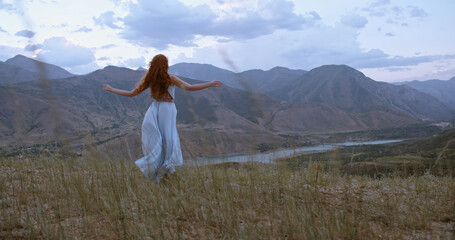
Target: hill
233,120
42,69
236,120
267,81
442,90
349,90
10,74
77,108
256,80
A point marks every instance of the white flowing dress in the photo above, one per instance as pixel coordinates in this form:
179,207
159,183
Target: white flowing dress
160,140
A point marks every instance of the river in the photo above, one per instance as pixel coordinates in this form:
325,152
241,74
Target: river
270,157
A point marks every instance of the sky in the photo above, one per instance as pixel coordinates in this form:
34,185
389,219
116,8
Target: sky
387,40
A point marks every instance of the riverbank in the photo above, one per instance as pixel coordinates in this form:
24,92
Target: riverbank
271,156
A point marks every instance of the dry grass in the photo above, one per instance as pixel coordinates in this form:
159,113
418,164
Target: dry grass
99,198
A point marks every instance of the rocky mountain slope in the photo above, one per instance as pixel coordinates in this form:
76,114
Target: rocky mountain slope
444,91
256,80
40,69
10,74
223,120
349,90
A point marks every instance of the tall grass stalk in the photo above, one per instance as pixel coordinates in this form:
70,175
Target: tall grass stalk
103,197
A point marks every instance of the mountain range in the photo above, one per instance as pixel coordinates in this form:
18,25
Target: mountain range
256,80
443,90
328,99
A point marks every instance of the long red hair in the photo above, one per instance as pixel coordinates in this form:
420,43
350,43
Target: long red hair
157,78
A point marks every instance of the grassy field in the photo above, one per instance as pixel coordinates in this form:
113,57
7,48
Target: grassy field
101,197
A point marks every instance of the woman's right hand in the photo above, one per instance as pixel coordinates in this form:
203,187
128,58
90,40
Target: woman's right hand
215,83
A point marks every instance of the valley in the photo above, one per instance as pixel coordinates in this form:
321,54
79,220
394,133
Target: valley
332,103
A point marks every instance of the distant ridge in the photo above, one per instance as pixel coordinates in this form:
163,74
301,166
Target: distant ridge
348,89
204,72
443,90
32,65
254,80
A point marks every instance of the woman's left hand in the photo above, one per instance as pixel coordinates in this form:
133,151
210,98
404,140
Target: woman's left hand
107,87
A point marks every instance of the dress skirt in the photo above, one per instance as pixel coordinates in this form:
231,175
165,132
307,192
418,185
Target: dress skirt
160,141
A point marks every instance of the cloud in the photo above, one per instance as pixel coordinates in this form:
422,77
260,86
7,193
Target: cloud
2,30
397,61
7,52
380,3
61,52
354,20
443,74
134,62
389,35
33,47
83,69
103,59
106,19
6,6
159,24
108,46
397,10
398,69
305,49
417,12
25,33
83,29
377,8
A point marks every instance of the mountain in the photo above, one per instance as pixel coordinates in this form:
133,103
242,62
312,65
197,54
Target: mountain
444,91
42,69
233,120
78,109
215,121
256,80
10,74
351,91
267,81
204,72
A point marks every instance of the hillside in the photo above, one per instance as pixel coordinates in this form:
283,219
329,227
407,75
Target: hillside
257,81
42,69
349,90
233,120
83,107
444,91
441,146
10,74
204,72
267,81
80,108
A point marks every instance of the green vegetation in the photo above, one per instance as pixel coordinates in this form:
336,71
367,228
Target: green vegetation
104,197
435,155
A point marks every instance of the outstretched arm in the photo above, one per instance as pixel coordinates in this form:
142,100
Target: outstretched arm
186,86
120,92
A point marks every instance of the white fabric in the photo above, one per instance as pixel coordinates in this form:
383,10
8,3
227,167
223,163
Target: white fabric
160,140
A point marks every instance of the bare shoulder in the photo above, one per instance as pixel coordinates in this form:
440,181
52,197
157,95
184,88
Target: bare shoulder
179,82
175,79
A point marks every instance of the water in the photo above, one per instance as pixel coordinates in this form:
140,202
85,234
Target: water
270,157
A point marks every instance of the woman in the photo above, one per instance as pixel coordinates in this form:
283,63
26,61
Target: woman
160,140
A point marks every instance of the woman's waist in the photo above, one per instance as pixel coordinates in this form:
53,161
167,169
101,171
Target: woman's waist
164,100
